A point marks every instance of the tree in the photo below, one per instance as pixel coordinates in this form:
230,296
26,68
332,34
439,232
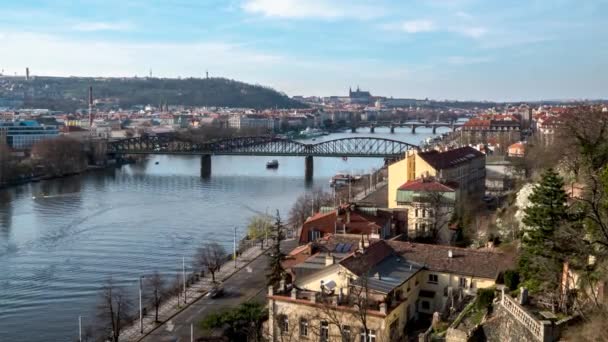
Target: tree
113,309
60,156
5,156
155,288
243,323
307,205
210,257
276,272
541,261
259,227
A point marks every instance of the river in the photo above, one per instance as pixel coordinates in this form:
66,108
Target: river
60,239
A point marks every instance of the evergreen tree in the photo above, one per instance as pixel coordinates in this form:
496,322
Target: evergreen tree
541,258
275,267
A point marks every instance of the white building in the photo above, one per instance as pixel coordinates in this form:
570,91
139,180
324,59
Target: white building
244,121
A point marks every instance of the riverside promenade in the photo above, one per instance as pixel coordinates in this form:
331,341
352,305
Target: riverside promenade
174,305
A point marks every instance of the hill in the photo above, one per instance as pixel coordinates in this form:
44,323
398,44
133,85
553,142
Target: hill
70,93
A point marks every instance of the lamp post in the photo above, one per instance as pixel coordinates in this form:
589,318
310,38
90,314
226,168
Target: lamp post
141,313
184,276
79,328
234,247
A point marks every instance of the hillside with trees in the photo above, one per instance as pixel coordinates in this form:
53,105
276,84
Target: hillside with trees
71,93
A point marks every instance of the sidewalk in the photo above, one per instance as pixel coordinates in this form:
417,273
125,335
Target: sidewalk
175,304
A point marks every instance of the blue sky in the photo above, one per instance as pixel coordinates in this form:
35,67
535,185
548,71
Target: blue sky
440,49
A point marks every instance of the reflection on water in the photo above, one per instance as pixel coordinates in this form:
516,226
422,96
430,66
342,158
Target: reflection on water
60,239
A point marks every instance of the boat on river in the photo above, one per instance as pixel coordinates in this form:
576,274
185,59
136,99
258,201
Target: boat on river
273,164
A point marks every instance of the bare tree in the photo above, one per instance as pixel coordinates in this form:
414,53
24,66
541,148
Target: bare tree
60,156
155,288
113,309
210,257
307,205
5,156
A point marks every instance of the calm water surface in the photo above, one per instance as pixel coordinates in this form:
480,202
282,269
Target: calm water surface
60,239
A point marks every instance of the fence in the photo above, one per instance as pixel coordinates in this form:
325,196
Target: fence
540,329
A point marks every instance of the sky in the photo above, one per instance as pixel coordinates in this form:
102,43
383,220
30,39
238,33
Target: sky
439,49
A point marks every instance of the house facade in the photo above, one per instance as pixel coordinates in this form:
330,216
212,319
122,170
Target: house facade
375,292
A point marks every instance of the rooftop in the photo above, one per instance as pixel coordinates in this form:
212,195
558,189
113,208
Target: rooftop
450,158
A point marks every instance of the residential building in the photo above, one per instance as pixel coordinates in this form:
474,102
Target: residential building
383,286
517,149
22,135
245,121
430,207
501,130
352,219
463,167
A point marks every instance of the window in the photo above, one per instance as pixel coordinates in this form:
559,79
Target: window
416,213
462,282
423,213
324,333
346,332
303,327
433,279
371,335
284,324
426,305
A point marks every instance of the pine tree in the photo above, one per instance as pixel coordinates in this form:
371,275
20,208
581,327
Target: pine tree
275,266
540,261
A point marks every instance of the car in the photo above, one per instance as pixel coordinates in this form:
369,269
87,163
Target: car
216,291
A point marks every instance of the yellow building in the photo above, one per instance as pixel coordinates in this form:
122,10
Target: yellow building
464,166
372,294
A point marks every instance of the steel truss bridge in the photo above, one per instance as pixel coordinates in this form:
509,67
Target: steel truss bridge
262,146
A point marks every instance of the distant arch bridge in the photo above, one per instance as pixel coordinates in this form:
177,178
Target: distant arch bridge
261,146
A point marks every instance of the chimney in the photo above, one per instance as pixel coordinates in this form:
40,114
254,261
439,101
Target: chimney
282,285
270,290
366,241
348,215
383,308
27,74
294,293
450,255
329,259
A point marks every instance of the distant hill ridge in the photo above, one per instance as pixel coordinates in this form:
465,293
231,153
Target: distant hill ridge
71,93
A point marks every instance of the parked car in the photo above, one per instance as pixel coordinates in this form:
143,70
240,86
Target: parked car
216,291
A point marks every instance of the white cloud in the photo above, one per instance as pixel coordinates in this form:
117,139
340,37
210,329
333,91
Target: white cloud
471,32
102,26
461,60
66,56
320,9
416,26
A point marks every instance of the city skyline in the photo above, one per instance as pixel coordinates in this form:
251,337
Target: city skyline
440,49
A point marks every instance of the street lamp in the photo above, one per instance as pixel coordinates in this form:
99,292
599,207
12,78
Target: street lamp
234,247
141,313
79,328
184,276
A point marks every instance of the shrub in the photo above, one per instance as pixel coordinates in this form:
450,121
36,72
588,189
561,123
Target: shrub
511,279
484,298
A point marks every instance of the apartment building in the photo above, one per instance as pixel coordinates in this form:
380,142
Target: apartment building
374,293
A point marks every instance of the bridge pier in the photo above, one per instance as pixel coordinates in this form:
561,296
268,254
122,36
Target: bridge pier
372,129
434,129
414,129
308,168
206,166
393,129
353,129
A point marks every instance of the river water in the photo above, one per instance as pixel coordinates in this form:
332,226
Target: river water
60,239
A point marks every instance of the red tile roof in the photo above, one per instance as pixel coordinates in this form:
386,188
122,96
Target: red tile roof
421,184
451,158
328,223
464,261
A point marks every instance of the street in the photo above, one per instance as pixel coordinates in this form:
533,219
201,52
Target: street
248,283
